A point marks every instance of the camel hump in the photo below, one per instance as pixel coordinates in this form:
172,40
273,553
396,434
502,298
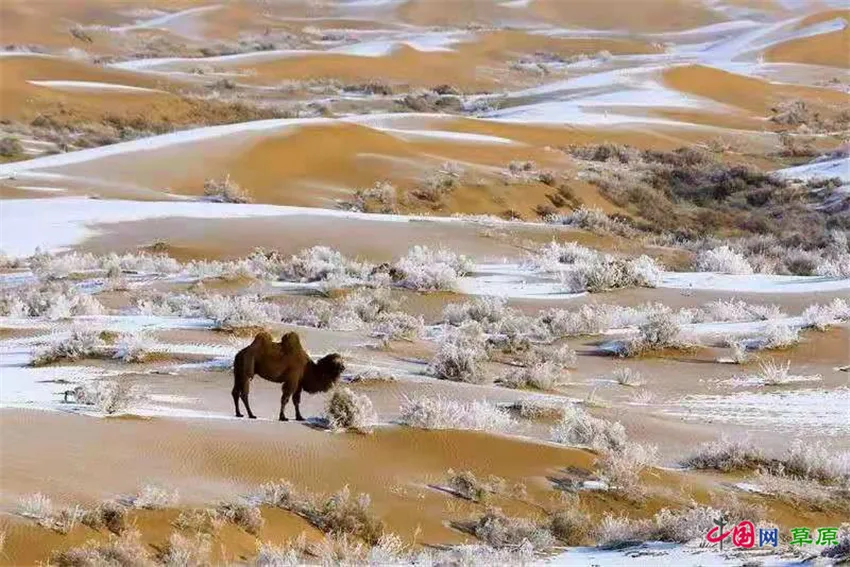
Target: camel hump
263,338
290,342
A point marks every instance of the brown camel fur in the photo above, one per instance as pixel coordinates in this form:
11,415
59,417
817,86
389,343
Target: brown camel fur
283,363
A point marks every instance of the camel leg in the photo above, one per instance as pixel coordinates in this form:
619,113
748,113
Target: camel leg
235,393
244,396
296,401
284,399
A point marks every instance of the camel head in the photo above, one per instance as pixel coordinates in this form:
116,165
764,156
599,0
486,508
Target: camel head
327,371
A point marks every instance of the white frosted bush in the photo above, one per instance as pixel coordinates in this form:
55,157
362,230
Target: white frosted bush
621,469
225,191
80,344
582,269
627,376
110,396
397,325
485,310
546,375
460,353
55,300
779,336
441,413
577,427
427,269
155,498
347,410
238,311
36,506
321,263
723,260
822,317
132,347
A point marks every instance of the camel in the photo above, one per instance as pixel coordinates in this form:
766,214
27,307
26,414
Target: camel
283,363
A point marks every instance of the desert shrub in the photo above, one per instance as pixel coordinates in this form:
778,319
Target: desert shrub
660,331
322,263
380,198
38,507
570,526
52,301
621,468
723,260
594,220
546,375
270,555
817,462
347,410
726,455
841,550
460,352
10,147
126,549
625,376
822,317
154,498
772,374
802,493
110,396
183,551
397,326
485,310
438,185
441,413
577,427
231,313
500,531
426,269
537,409
246,516
133,348
109,515
78,345
225,191
466,485
343,514
606,151
777,336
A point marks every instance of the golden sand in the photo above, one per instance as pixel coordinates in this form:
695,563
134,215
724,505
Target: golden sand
754,95
830,49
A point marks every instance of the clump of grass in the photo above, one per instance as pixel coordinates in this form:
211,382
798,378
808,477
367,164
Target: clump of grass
577,427
347,410
246,516
225,191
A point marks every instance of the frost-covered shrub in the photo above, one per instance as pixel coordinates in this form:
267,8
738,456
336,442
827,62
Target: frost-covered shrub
485,310
660,331
537,409
816,461
594,220
426,269
133,348
726,455
322,263
270,555
184,551
822,317
500,531
380,198
110,396
155,498
459,354
239,311
126,549
441,413
347,410
246,516
397,325
36,506
625,376
779,336
577,427
78,345
723,260
547,375
621,469
225,191
736,310
680,526
344,514
52,301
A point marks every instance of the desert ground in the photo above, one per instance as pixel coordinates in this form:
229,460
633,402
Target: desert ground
587,265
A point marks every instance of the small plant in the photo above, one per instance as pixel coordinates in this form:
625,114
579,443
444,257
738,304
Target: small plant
536,409
500,531
621,468
380,198
109,515
723,260
36,506
155,498
466,485
460,353
347,410
440,413
126,549
246,516
79,345
225,191
426,269
625,376
577,427
110,396
183,551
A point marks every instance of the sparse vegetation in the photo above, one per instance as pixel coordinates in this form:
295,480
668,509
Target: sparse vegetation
347,410
441,413
460,353
225,191
577,427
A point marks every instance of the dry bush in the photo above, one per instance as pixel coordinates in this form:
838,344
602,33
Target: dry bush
10,147
246,516
441,413
485,310
80,344
547,375
621,468
500,531
594,220
110,396
577,427
426,269
343,514
660,331
155,498
396,326
225,191
380,198
726,455
201,520
125,550
459,354
347,410
109,515
803,493
822,317
679,526
625,376
537,409
182,551
570,526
